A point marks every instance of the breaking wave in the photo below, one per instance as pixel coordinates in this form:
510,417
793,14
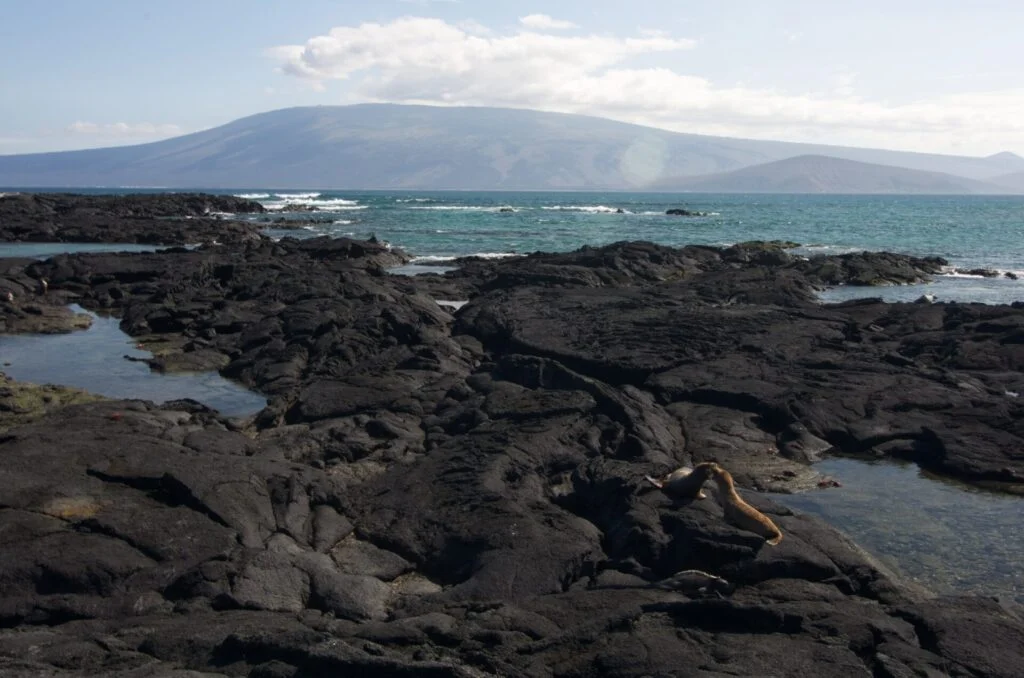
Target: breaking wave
447,258
466,208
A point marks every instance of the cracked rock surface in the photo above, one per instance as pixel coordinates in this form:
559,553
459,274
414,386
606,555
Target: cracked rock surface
461,494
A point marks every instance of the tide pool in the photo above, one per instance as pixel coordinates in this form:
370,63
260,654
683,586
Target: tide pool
94,360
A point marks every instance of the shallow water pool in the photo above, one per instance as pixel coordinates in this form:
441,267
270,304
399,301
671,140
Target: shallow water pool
959,288
94,360
420,269
45,250
946,535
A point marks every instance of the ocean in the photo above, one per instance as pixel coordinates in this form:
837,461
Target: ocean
972,232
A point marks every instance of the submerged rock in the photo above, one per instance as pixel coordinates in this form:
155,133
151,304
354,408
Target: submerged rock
980,272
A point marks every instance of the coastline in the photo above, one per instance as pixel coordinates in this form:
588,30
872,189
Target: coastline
460,491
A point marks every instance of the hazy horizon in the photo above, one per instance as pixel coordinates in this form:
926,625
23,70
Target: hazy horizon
926,77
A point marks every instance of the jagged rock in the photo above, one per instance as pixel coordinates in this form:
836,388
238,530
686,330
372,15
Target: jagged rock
435,495
158,219
682,212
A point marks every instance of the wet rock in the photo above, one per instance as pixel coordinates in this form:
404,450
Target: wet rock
980,272
683,212
871,269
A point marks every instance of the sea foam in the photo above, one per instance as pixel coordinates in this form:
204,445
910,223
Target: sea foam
589,209
297,196
465,208
446,258
327,205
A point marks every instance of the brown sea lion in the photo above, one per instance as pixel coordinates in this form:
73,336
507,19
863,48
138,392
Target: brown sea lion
741,514
685,482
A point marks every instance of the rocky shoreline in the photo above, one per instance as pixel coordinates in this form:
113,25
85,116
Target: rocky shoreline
435,493
149,219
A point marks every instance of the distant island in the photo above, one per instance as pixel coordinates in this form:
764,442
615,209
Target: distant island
823,174
388,146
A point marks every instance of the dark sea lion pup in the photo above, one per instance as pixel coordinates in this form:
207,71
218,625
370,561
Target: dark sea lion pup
685,483
741,514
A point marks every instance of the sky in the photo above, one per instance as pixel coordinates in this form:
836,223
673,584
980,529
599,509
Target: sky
937,76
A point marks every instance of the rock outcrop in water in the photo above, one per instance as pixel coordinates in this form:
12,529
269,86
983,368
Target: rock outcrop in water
431,494
27,307
157,219
683,212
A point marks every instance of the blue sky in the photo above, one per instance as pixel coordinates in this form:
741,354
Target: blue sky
936,76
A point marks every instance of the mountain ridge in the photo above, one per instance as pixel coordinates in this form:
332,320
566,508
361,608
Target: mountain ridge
1013,181
826,174
389,146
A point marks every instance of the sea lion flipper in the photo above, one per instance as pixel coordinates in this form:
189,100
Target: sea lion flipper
657,483
774,540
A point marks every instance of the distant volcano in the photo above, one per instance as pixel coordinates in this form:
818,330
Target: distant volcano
390,146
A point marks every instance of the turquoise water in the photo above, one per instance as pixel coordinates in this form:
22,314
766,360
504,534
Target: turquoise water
948,536
969,231
94,360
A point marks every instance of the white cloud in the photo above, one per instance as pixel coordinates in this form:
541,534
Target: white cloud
542,22
474,27
432,53
421,60
122,130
